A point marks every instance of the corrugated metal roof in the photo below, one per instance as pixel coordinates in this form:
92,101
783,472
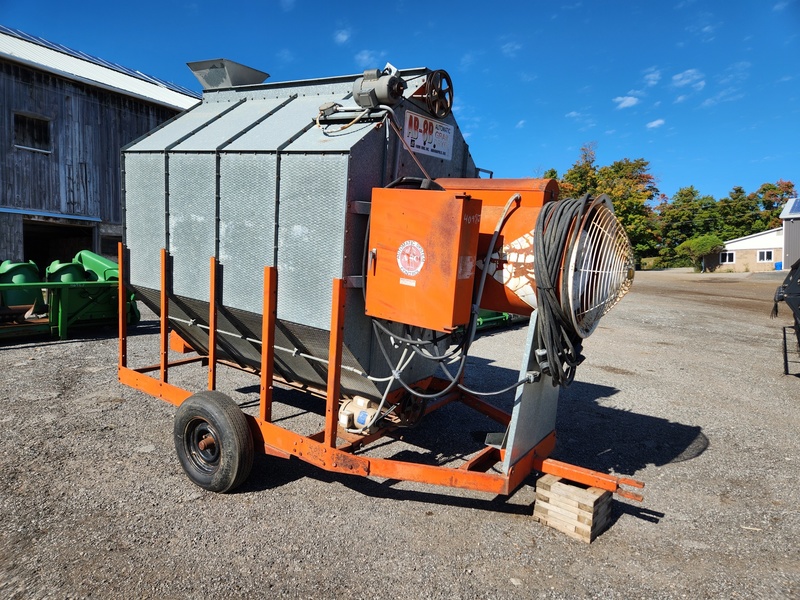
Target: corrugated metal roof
26,49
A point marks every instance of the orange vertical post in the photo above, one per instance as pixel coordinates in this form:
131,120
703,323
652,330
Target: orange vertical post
164,341
121,307
212,327
334,363
268,341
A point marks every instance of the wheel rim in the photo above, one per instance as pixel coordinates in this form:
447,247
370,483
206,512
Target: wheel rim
202,445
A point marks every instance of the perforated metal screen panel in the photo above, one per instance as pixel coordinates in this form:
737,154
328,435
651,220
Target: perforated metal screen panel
145,232
311,217
246,227
192,222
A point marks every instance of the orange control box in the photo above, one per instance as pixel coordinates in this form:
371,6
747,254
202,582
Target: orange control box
422,249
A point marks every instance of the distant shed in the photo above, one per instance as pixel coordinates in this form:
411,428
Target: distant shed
790,215
64,116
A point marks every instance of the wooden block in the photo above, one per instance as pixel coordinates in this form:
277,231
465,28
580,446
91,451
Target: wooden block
567,529
569,503
583,518
597,523
590,495
580,512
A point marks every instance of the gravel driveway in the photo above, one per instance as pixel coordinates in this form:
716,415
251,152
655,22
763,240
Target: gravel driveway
682,388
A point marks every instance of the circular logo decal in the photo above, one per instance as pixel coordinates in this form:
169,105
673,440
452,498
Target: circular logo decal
410,257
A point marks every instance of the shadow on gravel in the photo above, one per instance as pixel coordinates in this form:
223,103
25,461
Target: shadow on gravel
590,435
80,334
606,439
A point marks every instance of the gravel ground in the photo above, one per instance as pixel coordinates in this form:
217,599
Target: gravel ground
682,388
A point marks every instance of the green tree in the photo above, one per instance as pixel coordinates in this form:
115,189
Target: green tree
581,178
770,199
686,215
632,189
738,215
697,248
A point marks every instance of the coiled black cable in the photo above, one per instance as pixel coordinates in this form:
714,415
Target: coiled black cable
558,345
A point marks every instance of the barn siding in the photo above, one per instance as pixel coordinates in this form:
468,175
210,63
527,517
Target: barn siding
80,176
10,230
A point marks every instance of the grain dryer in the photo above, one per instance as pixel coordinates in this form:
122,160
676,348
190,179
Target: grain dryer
334,235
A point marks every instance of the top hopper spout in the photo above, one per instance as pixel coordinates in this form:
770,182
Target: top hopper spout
223,73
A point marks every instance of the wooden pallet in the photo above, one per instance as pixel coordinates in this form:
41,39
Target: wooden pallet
580,512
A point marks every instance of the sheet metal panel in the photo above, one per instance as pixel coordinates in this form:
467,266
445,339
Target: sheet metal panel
311,230
791,242
192,222
216,133
246,226
535,406
145,219
331,137
278,129
174,131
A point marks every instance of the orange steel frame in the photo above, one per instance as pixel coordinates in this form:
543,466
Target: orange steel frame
323,448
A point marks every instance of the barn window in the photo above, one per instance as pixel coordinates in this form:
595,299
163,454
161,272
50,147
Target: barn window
31,133
727,258
765,256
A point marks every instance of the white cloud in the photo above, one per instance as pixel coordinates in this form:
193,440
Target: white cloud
510,49
583,120
341,36
727,95
626,101
520,124
655,124
368,59
781,5
285,55
287,5
703,28
468,60
681,98
736,73
652,76
689,78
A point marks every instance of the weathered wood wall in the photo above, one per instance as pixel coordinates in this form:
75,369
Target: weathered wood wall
80,175
10,237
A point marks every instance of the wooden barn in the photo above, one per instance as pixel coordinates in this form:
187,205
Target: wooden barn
64,116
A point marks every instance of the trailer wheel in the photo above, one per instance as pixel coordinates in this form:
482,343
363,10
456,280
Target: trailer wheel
213,441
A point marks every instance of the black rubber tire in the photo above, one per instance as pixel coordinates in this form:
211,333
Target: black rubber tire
228,462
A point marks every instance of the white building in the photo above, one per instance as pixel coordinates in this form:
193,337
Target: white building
757,252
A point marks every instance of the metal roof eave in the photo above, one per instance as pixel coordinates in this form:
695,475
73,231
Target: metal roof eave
98,84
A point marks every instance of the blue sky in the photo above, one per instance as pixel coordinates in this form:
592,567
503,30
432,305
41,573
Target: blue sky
707,91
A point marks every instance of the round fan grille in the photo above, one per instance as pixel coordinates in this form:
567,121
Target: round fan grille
599,269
